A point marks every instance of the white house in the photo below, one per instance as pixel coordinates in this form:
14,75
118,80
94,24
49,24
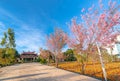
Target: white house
116,48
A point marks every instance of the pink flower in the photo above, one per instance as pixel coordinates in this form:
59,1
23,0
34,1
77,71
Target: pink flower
102,16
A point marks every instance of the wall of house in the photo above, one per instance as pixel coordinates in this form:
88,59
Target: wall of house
116,48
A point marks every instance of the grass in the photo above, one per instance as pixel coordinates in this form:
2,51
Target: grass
94,69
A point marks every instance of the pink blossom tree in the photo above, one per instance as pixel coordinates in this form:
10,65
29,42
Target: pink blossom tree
55,42
78,42
97,27
45,54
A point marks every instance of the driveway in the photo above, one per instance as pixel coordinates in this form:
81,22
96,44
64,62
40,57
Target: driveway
39,72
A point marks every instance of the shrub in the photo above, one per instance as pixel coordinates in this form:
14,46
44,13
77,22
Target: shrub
43,61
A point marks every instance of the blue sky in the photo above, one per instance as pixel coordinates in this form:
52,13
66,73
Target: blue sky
32,20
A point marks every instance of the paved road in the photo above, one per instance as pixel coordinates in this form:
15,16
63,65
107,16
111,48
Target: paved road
38,72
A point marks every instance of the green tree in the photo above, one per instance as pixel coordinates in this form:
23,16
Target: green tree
11,37
8,53
69,55
4,40
4,58
12,53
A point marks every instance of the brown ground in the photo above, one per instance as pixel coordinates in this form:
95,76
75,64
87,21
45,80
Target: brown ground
38,72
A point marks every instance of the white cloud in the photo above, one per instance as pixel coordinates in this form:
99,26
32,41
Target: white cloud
28,38
2,29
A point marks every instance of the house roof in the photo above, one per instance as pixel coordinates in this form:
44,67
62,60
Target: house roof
28,55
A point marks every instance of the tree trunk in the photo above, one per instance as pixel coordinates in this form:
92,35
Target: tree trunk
56,61
83,68
93,63
112,55
48,60
102,64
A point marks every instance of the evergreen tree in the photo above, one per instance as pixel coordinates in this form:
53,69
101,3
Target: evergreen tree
4,40
11,38
8,53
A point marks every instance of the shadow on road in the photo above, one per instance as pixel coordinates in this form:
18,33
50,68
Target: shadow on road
22,76
58,78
